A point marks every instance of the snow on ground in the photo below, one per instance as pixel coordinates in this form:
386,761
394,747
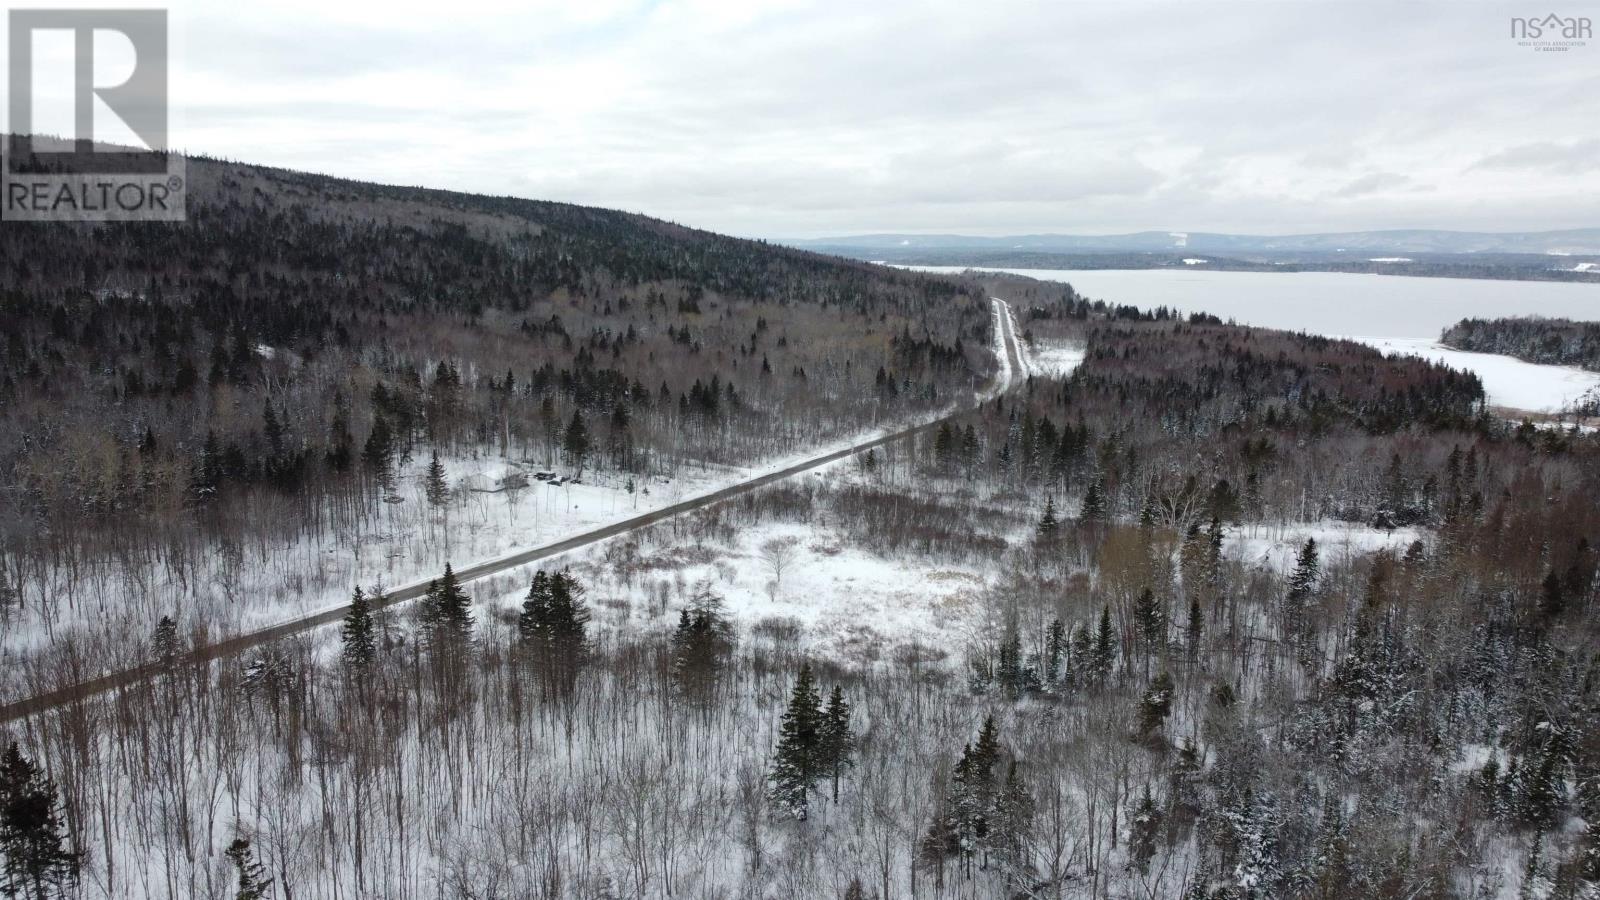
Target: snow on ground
1275,546
1045,360
244,589
833,600
1004,376
1055,360
1509,382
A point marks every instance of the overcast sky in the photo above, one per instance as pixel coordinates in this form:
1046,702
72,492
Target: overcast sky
795,119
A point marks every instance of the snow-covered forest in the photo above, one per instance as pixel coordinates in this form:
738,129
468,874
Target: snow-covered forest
1192,610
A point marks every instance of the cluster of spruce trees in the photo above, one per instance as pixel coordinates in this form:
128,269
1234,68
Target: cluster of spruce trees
815,743
986,819
37,863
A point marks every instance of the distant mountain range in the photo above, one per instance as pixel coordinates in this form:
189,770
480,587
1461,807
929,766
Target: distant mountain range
1578,241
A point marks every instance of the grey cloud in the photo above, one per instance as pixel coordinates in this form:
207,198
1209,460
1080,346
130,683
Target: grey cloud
1374,183
928,116
1572,158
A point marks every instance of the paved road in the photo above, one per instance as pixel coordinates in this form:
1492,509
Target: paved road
1010,372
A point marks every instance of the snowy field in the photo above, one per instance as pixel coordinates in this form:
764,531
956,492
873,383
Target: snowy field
1275,546
836,601
1055,360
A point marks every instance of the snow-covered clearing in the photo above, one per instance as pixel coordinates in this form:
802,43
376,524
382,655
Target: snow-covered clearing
833,600
1275,546
1055,360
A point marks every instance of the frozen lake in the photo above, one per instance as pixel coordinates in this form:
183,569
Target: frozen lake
1395,313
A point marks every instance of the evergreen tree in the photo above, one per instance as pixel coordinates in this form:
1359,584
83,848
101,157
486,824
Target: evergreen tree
208,470
533,623
1080,667
273,430
1048,524
253,883
1055,651
1104,655
1012,831
37,864
554,630
1009,669
1196,628
360,647
1331,863
1155,705
969,446
944,445
699,648
1535,883
1302,582
1306,572
1552,596
1094,509
1191,556
1151,620
164,644
378,453
838,741
1543,788
964,829
575,442
433,482
800,754
1144,832
447,616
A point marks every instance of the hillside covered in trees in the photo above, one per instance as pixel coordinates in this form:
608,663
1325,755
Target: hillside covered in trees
1221,613
275,370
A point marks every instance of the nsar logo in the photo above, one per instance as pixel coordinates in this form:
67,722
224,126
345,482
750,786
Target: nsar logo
1553,32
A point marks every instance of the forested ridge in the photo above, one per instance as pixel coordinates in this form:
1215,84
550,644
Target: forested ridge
1222,613
269,370
1561,342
